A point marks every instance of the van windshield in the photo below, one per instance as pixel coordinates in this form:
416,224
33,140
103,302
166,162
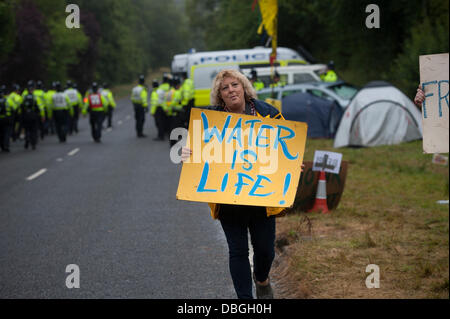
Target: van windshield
345,91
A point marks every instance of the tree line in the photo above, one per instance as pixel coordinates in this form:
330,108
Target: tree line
334,30
117,40
120,39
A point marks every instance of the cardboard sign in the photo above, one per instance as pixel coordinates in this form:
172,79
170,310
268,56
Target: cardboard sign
440,159
434,82
307,188
242,159
329,162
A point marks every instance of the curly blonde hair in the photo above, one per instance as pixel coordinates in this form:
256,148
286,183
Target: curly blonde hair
216,98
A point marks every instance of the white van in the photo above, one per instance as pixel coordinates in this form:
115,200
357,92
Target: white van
202,67
203,75
258,56
295,74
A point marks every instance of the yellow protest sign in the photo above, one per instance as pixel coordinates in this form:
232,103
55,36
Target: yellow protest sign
242,159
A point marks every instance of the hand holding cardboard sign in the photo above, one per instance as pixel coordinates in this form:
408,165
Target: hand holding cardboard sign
420,97
185,154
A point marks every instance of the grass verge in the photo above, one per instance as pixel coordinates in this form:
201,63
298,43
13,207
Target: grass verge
387,216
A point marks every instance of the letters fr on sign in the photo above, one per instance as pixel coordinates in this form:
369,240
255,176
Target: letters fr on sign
435,108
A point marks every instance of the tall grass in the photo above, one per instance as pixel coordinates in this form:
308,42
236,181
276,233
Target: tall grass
387,216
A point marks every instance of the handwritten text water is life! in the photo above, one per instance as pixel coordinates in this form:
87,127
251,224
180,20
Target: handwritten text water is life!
241,145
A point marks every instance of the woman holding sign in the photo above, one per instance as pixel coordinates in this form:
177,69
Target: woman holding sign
233,92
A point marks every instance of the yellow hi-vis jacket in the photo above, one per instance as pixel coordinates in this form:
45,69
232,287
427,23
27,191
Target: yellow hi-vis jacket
60,101
95,102
175,104
139,95
16,99
154,101
74,97
168,97
330,76
258,85
7,107
162,91
187,91
109,96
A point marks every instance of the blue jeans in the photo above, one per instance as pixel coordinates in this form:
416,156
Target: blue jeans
235,221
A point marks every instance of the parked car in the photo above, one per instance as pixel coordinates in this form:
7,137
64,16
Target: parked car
292,74
340,91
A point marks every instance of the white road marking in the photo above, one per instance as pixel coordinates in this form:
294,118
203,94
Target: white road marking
73,152
37,174
59,159
119,122
108,130
250,253
128,117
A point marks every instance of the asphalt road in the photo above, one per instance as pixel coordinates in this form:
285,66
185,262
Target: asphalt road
110,209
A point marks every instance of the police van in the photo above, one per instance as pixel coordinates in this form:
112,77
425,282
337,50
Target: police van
202,67
258,56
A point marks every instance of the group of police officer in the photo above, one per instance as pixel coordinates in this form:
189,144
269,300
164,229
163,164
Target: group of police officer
172,100
36,112
170,104
58,109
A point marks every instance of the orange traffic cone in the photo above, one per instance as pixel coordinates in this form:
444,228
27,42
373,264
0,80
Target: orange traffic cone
321,195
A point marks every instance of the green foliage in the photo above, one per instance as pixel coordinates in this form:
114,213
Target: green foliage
7,30
162,31
335,30
223,24
201,18
246,22
117,40
120,39
121,57
428,37
65,43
